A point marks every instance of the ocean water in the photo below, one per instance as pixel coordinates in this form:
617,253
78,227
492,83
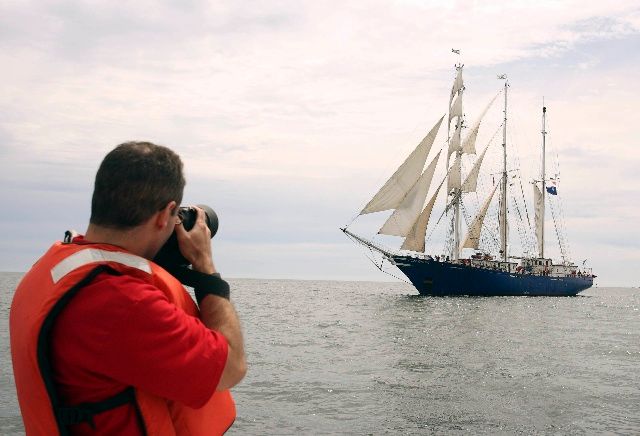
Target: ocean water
374,358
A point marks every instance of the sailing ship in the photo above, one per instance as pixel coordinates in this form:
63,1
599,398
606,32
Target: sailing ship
481,273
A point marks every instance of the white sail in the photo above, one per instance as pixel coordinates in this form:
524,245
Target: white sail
458,84
402,219
405,177
473,237
539,220
471,182
454,143
456,108
415,238
469,144
453,182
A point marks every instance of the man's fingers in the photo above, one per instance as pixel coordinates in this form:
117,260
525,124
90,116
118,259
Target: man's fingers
201,221
201,215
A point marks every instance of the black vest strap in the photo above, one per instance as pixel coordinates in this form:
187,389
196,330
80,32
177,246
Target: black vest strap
69,415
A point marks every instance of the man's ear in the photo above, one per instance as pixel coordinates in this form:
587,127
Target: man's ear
167,215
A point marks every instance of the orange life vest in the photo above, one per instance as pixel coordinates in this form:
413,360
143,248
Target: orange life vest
44,291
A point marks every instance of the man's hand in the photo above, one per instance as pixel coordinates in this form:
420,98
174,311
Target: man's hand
195,244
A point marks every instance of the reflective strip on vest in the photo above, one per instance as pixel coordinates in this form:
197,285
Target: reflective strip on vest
93,255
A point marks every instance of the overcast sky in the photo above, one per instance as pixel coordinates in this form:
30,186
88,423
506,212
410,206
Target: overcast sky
289,115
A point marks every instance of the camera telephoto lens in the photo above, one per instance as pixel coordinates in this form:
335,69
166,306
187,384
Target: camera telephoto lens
188,215
169,256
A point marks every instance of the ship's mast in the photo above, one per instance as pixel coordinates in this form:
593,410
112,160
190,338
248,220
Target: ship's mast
543,176
457,194
503,209
457,197
456,224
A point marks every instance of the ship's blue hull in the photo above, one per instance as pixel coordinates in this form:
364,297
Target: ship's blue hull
450,279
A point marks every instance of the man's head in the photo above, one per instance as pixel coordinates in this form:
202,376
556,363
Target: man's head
135,181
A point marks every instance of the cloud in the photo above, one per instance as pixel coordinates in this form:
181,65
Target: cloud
289,114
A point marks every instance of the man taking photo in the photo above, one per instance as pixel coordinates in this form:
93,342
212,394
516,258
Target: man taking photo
105,341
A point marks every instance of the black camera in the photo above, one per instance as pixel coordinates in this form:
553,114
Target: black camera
169,256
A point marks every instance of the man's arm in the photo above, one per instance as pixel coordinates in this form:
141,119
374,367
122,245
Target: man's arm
216,312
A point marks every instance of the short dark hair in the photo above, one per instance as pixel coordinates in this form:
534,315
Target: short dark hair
134,181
